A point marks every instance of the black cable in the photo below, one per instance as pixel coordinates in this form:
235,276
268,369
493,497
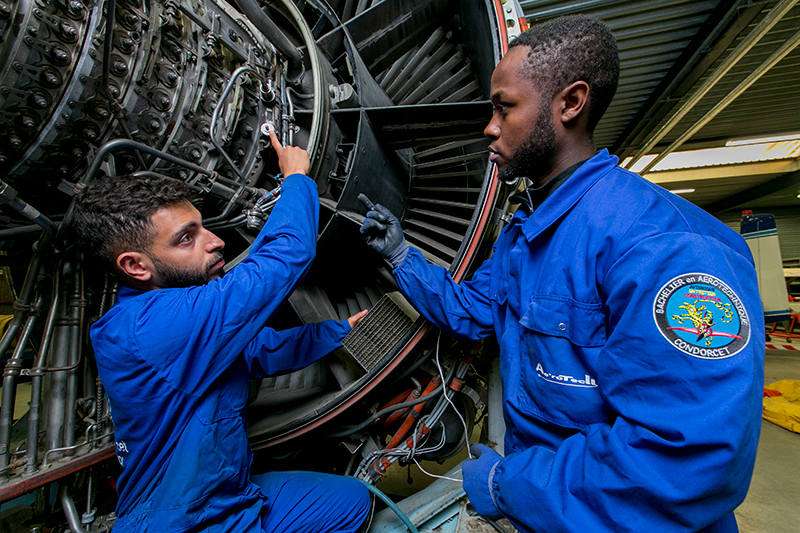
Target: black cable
380,414
407,372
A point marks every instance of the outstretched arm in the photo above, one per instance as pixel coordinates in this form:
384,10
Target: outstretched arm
278,352
215,322
463,310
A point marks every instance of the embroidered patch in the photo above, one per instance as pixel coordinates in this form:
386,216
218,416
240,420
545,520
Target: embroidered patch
701,316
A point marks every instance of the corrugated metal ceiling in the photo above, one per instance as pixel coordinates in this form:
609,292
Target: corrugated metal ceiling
771,105
651,35
657,38
668,49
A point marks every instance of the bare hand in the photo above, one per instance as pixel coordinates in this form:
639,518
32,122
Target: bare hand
291,159
356,318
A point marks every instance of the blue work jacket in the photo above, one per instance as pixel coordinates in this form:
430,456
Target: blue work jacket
176,364
631,352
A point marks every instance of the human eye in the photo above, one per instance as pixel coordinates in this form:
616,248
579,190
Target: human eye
186,238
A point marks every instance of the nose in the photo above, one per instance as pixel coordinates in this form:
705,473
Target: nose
213,243
492,130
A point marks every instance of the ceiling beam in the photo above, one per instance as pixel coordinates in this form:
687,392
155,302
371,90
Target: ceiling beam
792,179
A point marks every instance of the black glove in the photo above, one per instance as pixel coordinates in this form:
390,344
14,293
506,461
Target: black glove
382,232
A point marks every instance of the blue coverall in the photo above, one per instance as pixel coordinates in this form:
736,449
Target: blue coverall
631,352
177,363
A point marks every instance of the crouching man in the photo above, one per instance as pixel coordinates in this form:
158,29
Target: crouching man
178,349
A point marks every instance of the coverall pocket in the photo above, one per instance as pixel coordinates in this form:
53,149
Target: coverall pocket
560,341
582,324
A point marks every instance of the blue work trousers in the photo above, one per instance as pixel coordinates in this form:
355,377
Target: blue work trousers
310,502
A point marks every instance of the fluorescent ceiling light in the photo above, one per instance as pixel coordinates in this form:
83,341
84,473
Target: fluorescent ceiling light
725,155
760,140
681,191
641,163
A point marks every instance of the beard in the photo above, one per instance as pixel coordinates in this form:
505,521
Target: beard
535,155
177,278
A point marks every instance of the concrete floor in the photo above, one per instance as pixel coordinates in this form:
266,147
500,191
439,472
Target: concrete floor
773,501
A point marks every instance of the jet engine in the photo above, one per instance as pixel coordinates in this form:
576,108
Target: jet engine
389,98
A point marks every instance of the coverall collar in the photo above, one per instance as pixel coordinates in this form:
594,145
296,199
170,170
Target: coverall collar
531,198
567,195
125,293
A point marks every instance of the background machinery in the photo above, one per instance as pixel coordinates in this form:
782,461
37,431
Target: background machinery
389,98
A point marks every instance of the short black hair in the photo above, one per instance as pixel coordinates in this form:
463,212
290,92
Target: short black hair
112,215
569,49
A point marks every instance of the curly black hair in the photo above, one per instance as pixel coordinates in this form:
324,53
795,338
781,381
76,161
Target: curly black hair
569,49
113,214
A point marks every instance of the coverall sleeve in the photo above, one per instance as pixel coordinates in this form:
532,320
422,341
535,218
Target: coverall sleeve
679,451
193,335
275,352
462,309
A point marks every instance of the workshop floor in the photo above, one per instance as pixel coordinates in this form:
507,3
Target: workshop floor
773,501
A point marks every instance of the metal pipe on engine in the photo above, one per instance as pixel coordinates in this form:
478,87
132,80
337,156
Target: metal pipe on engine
107,299
19,231
68,504
22,305
100,408
287,118
56,382
76,306
37,376
12,370
242,181
264,24
116,144
22,308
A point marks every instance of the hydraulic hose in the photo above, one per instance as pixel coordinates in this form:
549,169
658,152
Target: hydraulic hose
374,490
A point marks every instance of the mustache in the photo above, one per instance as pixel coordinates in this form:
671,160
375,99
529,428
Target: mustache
218,255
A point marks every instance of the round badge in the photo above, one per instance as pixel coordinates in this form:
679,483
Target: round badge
701,316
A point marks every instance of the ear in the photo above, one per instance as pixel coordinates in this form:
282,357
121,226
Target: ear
573,102
136,266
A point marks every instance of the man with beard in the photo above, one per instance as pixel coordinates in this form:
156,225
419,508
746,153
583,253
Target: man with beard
629,321
177,351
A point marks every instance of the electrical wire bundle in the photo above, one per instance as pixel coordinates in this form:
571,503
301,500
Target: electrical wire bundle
374,465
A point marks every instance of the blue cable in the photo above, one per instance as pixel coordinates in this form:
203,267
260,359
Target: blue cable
374,490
